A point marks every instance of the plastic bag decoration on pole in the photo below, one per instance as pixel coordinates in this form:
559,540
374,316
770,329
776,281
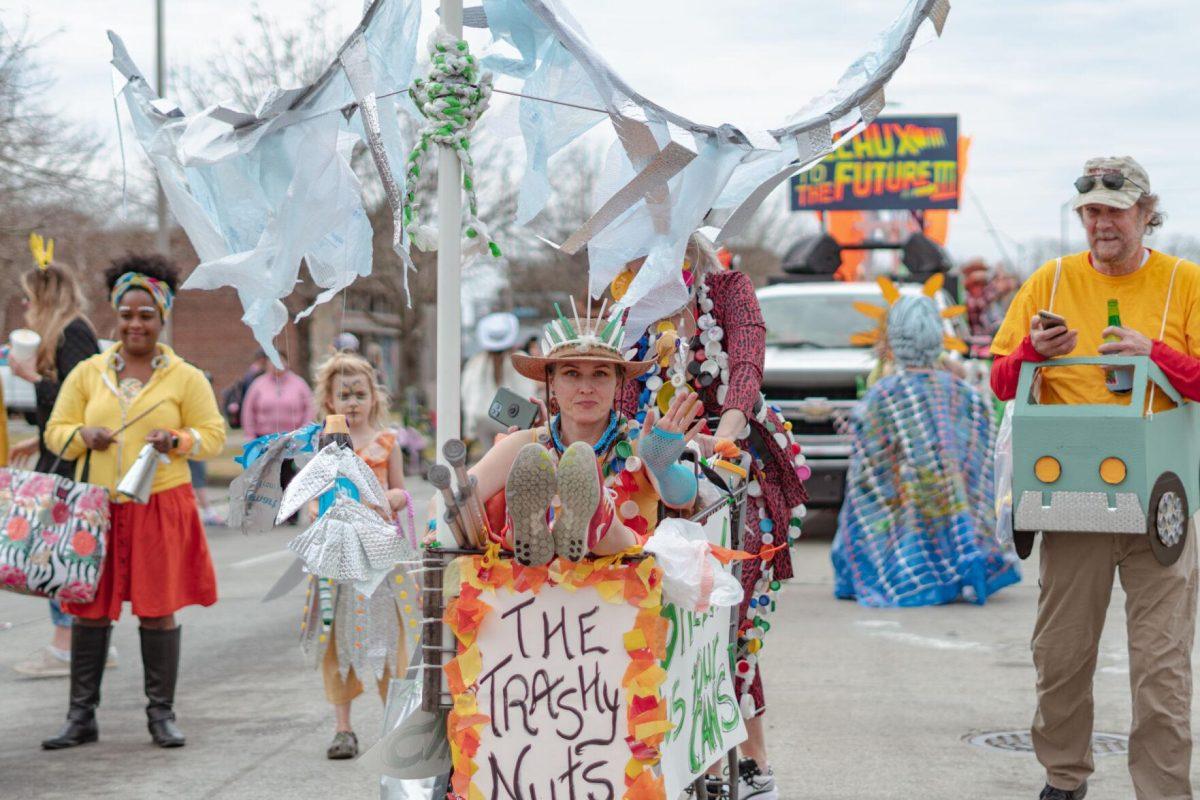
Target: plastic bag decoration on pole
259,191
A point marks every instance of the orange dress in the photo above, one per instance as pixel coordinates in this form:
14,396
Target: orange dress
343,685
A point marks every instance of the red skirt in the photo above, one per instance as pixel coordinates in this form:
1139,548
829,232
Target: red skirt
157,559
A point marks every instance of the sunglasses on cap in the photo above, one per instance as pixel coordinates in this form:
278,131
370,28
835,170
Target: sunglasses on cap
1110,180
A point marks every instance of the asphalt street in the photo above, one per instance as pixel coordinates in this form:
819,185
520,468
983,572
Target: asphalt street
863,703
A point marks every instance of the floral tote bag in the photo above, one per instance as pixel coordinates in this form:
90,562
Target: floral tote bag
53,532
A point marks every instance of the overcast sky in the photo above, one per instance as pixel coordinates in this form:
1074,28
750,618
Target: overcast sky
1040,85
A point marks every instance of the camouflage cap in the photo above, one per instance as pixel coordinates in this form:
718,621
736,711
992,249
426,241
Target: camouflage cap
1137,182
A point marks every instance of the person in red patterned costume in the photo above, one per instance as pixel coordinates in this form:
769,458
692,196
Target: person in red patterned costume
715,345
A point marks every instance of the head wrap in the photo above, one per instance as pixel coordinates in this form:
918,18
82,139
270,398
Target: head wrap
158,290
914,332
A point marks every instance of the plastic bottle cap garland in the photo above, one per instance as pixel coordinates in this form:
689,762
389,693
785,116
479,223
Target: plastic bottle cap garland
678,363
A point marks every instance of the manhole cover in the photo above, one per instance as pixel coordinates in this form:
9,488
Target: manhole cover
1103,744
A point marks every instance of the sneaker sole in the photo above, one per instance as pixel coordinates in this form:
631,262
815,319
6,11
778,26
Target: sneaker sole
579,491
40,674
528,491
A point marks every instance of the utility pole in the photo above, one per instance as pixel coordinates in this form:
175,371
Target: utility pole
449,276
162,235
162,241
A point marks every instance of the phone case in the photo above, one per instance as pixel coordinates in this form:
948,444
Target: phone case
509,408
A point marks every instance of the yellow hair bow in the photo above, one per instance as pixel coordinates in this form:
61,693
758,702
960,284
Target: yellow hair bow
43,250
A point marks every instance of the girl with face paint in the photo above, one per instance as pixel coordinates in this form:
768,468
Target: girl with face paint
346,385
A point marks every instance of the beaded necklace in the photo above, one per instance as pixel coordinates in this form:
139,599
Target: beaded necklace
698,361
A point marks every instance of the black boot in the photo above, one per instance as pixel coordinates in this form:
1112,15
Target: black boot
89,651
160,662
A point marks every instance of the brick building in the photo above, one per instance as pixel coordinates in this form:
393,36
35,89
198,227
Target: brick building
206,326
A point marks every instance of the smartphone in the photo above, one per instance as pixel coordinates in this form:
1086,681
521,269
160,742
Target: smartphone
1052,320
508,408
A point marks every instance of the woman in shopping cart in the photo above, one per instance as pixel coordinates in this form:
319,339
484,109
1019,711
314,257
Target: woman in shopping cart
714,346
609,472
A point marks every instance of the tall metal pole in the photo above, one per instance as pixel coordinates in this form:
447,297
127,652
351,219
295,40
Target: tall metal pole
449,258
162,241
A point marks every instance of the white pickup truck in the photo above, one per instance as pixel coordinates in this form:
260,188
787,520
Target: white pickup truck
815,376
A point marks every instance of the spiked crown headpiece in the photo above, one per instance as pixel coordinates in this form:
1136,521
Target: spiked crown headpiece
585,338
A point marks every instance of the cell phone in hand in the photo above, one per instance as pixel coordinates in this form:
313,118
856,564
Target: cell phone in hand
1051,320
508,408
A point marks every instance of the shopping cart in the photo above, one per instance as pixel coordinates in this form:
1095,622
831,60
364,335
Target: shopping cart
438,643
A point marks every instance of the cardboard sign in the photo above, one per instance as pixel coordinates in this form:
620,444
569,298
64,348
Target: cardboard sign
557,685
551,687
896,163
699,691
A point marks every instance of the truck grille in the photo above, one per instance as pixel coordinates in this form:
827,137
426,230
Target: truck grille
802,428
803,393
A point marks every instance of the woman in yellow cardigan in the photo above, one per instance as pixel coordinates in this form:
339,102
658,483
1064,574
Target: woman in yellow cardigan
157,556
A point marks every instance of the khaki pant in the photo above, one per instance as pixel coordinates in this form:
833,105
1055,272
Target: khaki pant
339,690
1160,611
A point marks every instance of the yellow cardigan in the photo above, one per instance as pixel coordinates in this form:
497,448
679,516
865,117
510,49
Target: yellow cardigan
89,397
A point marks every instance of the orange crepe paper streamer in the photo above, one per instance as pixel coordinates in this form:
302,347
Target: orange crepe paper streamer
646,787
529,579
725,555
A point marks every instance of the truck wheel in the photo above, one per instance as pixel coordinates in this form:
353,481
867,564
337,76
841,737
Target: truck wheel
1167,518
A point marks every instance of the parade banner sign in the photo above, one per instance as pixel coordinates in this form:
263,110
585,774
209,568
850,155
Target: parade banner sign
896,163
551,687
699,691
557,684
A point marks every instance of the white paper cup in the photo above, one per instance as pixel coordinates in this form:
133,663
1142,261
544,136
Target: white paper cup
23,343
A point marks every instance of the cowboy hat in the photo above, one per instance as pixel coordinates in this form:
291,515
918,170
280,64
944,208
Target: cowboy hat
590,339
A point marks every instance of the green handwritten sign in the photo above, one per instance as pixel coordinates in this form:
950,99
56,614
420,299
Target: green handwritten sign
699,691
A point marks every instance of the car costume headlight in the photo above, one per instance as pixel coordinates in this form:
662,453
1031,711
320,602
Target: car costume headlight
1047,469
1113,471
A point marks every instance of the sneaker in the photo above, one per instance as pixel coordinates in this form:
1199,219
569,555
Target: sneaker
754,783
210,517
343,746
44,664
586,509
1052,793
530,487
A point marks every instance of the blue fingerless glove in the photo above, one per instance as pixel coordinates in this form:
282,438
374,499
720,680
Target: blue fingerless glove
676,483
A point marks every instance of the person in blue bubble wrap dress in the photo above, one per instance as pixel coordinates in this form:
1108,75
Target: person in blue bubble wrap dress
917,525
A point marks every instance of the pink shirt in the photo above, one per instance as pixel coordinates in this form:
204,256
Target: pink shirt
276,404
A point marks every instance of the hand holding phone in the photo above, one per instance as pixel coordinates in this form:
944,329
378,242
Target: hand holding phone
1051,320
1051,337
511,410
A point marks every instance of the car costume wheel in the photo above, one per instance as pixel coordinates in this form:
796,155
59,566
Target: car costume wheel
1167,518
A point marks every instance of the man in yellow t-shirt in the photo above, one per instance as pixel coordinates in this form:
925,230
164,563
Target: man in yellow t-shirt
1158,297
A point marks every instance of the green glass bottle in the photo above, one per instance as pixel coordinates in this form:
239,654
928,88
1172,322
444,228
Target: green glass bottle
1120,380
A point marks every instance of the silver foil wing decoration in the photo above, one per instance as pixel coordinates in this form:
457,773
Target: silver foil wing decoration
320,473
348,543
